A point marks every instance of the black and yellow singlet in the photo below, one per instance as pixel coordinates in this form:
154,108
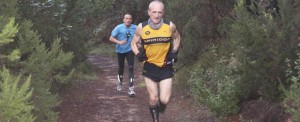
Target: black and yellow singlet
157,43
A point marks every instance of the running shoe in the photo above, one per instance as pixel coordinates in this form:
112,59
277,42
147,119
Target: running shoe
119,86
131,91
119,83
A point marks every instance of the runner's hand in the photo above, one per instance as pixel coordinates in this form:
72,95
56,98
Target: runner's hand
141,57
122,42
173,56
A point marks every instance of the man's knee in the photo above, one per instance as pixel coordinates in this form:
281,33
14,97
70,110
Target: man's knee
164,99
153,100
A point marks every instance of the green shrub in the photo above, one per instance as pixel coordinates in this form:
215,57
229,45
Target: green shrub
7,34
15,98
260,43
215,86
49,67
292,94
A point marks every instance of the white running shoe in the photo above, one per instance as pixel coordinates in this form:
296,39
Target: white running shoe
131,91
119,83
119,87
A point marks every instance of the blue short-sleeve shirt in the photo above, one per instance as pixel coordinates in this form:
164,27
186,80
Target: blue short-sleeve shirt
121,32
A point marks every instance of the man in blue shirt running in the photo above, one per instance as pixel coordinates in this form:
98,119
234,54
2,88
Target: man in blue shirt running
122,35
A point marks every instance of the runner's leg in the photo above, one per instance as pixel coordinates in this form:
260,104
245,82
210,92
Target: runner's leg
165,87
154,113
152,89
121,60
130,61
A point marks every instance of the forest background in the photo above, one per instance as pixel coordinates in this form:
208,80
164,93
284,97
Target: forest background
232,51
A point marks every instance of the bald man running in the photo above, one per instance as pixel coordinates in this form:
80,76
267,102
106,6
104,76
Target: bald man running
160,41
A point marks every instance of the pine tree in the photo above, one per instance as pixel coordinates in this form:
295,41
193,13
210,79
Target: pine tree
14,97
48,67
7,33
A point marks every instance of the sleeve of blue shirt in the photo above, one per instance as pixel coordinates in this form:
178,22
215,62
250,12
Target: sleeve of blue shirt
115,32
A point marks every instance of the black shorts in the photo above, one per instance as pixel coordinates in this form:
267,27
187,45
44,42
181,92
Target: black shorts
156,73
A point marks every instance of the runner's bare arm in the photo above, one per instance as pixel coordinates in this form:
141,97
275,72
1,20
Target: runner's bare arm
114,40
175,36
136,39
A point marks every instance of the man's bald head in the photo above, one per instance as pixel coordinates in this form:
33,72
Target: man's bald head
156,3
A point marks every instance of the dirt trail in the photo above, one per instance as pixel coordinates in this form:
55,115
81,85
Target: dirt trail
99,101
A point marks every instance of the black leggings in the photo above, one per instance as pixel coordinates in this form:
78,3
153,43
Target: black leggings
130,60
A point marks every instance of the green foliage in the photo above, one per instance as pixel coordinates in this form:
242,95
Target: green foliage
28,39
257,43
8,8
8,32
15,54
6,36
216,86
46,67
211,82
45,60
14,98
292,94
48,60
49,68
260,45
57,18
104,49
197,22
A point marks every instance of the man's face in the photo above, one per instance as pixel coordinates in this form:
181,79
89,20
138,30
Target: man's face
156,13
127,19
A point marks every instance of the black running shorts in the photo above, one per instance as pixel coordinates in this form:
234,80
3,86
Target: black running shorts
156,73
